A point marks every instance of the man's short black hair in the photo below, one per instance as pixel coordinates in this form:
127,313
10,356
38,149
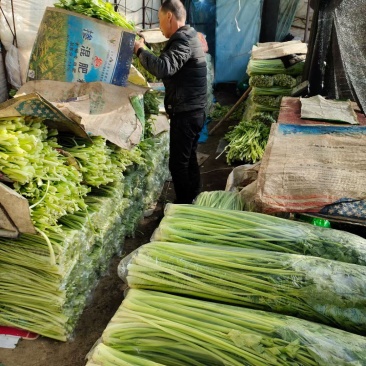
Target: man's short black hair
176,7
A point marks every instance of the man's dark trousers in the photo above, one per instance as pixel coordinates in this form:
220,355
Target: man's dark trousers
184,134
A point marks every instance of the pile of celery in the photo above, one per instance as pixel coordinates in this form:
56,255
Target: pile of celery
30,158
85,198
246,141
172,330
270,81
193,224
322,290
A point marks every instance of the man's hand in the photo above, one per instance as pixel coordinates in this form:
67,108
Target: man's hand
139,43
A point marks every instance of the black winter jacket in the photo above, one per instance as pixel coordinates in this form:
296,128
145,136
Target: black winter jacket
182,68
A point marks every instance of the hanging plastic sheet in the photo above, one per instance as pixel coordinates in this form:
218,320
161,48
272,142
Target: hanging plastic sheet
286,17
337,68
201,16
3,82
238,27
23,18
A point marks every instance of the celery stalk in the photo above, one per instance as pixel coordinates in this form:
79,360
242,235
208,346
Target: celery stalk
182,331
317,289
193,224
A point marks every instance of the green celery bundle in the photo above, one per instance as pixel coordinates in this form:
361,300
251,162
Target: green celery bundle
246,142
98,9
179,331
196,224
123,158
317,289
94,160
274,91
273,66
30,157
220,199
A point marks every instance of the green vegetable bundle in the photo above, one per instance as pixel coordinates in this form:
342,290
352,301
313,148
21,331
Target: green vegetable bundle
269,81
98,9
321,290
45,280
273,66
246,142
179,331
220,199
193,224
264,81
274,91
267,100
151,108
151,103
31,158
264,117
122,158
94,160
219,111
283,80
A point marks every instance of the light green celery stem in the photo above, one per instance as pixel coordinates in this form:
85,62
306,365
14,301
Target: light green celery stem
94,160
40,322
226,333
274,66
185,333
50,247
295,338
182,231
107,356
177,337
25,282
191,224
26,255
312,288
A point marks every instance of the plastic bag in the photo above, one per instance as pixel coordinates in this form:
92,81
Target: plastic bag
13,67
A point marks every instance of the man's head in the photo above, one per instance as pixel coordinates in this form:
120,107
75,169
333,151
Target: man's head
172,16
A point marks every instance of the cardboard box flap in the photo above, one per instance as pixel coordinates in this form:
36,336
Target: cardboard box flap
103,109
7,228
35,105
15,214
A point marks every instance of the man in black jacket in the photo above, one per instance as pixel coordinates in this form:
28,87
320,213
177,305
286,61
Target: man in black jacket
182,68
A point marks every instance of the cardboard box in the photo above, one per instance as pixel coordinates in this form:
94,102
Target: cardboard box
75,48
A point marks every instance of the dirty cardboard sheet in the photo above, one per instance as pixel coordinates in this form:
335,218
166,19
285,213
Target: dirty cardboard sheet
321,109
35,105
312,168
278,49
103,109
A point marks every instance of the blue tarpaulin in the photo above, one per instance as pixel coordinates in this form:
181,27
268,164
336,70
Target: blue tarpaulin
238,24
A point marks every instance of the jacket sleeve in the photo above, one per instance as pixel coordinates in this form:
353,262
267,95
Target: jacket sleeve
169,62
